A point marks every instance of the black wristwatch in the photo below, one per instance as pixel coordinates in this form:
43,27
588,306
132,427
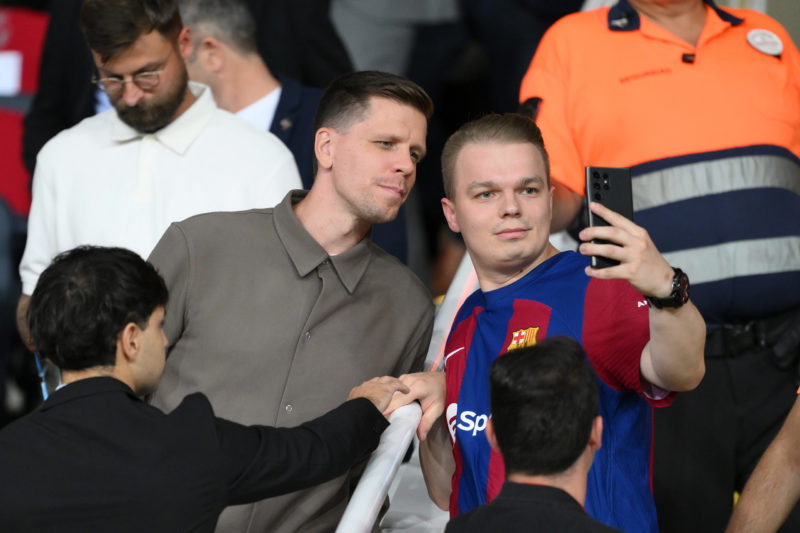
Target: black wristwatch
679,294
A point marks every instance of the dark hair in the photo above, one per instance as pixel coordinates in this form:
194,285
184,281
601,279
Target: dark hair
346,100
229,21
85,298
111,26
509,128
544,401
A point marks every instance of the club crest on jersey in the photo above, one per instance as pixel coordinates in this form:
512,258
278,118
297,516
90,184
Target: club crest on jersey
523,338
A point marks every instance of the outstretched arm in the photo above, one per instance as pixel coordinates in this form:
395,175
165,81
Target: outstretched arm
774,486
673,358
266,461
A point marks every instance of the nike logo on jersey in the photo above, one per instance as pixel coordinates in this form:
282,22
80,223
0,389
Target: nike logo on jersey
448,356
641,303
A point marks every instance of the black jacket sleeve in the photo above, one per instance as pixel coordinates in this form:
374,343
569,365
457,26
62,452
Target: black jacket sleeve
267,461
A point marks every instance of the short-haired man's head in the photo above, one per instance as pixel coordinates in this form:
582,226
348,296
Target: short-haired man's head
111,26
509,128
544,401
346,100
228,21
85,298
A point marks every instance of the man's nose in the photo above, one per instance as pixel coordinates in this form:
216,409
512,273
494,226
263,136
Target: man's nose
405,164
131,93
510,205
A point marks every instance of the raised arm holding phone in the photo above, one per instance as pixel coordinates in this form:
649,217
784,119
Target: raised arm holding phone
499,197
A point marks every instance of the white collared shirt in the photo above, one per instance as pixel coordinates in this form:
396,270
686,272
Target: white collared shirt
104,183
261,113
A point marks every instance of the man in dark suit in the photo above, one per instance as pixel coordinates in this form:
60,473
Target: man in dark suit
95,457
545,423
226,58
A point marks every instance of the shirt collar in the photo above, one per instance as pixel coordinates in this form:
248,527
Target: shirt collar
623,17
179,134
307,255
261,113
537,492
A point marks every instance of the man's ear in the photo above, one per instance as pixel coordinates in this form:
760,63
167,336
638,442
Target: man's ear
323,147
185,45
491,436
449,210
596,435
129,341
210,54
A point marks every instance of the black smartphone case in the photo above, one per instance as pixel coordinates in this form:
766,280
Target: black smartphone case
612,188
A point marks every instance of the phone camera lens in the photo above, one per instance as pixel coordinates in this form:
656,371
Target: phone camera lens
596,185
598,196
606,187
596,175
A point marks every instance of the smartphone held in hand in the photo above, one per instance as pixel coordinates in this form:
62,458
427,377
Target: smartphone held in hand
612,188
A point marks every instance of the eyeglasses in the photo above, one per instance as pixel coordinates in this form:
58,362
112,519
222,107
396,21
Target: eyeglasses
143,80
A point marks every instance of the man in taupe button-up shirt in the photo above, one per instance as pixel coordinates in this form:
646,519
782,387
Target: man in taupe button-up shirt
276,313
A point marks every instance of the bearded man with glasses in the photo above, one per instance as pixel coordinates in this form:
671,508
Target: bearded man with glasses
164,152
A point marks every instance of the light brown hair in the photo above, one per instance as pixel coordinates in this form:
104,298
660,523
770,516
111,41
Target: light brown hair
508,128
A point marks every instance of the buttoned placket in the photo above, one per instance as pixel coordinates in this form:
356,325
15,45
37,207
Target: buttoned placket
326,304
147,156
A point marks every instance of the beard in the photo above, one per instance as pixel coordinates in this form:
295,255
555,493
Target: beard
151,116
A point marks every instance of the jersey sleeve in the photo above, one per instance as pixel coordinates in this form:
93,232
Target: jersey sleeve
616,328
547,80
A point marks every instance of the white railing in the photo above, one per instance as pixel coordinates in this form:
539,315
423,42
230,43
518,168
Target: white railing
367,499
374,485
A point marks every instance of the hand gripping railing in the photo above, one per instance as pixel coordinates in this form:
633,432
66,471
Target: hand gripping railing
371,491
374,484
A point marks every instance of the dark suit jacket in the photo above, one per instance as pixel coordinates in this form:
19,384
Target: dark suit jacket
528,509
96,458
294,124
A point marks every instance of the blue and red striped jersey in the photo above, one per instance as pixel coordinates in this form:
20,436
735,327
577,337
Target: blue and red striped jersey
610,319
